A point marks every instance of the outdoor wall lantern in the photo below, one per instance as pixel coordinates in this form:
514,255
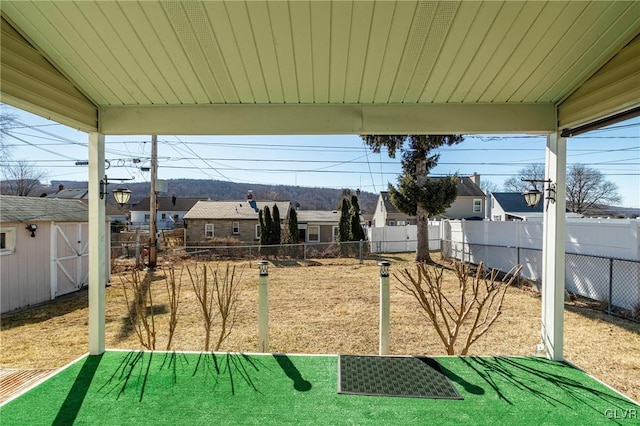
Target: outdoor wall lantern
32,228
532,196
121,195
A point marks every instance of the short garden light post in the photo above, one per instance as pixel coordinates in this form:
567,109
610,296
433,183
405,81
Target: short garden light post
384,307
263,306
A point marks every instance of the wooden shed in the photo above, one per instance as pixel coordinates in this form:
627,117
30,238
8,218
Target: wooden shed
43,249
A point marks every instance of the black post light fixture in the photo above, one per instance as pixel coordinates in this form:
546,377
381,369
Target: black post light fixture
32,228
121,195
532,196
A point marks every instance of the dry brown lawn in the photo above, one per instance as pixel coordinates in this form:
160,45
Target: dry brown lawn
325,306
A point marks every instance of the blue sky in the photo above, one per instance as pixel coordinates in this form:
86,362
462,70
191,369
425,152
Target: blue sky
316,161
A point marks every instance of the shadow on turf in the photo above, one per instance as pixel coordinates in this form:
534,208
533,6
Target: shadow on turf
234,370
72,403
532,375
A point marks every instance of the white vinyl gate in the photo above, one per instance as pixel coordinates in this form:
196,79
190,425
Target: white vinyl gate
69,257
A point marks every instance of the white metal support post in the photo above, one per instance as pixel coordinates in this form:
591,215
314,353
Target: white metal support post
263,306
553,249
384,307
97,250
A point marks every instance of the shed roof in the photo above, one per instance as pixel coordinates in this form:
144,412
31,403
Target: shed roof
38,209
236,210
318,216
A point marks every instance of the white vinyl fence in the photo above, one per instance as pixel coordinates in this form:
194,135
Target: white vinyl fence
602,256
397,239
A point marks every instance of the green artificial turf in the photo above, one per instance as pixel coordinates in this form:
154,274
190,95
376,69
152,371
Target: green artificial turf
127,388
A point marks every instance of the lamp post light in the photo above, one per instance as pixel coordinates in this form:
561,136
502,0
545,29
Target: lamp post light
532,196
122,196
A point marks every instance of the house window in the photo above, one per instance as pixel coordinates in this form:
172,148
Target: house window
164,216
147,218
208,230
392,223
257,232
401,223
477,205
236,227
335,233
7,240
313,234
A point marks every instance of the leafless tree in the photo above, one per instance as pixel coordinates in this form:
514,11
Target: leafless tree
20,178
6,121
531,172
587,190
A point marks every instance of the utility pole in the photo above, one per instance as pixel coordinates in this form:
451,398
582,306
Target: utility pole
153,254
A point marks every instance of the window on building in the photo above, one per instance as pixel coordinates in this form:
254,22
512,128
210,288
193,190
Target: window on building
392,223
236,227
313,234
335,233
164,216
147,218
208,230
401,223
257,232
7,240
477,205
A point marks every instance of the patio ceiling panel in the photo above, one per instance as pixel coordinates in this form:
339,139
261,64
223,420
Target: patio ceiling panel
137,56
613,89
30,81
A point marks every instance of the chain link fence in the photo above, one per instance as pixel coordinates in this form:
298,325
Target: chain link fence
612,284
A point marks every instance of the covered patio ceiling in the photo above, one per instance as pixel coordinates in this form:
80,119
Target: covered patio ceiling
321,67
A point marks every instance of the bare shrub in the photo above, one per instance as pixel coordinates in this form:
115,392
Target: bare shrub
173,290
464,315
217,294
140,307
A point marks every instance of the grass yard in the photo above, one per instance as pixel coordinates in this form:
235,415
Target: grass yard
323,307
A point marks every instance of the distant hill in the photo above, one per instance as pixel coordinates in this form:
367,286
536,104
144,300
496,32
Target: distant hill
308,198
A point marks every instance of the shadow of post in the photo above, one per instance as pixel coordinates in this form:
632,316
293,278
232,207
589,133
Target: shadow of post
71,406
299,383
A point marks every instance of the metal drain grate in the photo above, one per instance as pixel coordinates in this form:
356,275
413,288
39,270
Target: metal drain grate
411,377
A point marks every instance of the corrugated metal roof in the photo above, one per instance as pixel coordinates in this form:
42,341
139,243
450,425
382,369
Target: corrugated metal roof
35,209
233,209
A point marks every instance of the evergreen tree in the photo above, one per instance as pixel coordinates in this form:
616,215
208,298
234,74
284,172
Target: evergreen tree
293,235
357,233
345,221
266,224
414,185
276,230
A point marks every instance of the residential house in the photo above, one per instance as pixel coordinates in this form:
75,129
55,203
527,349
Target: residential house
169,214
318,226
506,206
469,204
207,220
43,249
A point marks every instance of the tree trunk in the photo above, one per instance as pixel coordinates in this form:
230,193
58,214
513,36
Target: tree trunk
422,217
422,222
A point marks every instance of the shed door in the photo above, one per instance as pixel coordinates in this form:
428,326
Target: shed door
69,257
